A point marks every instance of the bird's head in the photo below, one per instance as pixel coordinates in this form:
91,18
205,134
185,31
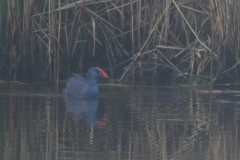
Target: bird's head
94,72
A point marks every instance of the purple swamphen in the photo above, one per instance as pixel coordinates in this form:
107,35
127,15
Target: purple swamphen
77,85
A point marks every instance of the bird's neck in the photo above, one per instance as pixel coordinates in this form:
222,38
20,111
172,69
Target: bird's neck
92,80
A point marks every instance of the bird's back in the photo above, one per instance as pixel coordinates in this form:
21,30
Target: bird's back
80,86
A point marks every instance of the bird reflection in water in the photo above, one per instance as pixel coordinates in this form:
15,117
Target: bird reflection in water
84,107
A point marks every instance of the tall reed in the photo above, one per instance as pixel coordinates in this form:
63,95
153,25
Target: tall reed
138,40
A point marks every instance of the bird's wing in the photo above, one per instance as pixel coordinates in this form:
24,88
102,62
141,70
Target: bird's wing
80,78
77,85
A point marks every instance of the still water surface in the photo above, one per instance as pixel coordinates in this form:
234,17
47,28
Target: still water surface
132,123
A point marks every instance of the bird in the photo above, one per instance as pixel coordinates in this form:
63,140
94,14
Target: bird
77,85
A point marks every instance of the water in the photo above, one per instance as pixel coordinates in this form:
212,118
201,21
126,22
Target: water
133,123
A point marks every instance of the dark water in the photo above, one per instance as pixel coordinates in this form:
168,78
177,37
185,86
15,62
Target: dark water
146,123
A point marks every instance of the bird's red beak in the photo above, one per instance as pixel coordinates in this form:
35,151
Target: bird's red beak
102,73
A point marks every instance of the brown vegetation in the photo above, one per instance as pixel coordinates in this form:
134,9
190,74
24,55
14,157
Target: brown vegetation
138,40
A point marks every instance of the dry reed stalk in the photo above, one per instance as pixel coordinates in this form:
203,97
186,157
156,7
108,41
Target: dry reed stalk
190,26
173,65
58,42
133,43
167,26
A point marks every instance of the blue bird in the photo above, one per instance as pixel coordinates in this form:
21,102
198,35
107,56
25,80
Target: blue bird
77,85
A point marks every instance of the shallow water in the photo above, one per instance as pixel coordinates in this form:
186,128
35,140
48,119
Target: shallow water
123,123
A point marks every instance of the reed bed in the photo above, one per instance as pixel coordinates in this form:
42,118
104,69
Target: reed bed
145,41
